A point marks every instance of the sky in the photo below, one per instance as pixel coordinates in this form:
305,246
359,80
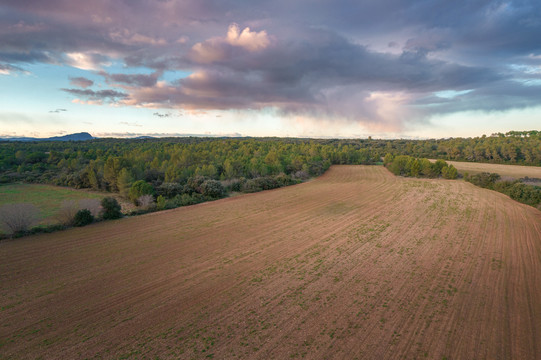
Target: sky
303,68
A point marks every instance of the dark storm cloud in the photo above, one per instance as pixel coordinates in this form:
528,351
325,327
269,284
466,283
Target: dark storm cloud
352,59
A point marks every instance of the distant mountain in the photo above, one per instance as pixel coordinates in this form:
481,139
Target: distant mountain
83,136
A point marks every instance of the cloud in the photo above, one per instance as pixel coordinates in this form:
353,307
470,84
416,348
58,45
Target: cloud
126,37
86,61
97,97
324,75
139,80
58,111
378,63
165,135
250,40
81,82
218,48
6,69
130,124
167,114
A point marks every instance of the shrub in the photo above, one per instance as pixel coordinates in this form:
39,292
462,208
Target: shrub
234,184
399,165
194,184
68,210
18,217
250,186
140,188
169,190
301,175
266,183
213,189
161,203
484,180
111,208
449,172
284,180
388,159
91,204
66,213
438,166
145,201
83,217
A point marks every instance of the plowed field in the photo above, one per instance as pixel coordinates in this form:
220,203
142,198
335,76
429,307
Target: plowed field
358,264
513,171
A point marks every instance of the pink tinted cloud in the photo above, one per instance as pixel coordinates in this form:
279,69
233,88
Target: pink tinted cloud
81,82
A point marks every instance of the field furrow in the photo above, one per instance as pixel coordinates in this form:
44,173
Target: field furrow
356,264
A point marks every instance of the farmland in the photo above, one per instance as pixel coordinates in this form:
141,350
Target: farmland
355,264
507,171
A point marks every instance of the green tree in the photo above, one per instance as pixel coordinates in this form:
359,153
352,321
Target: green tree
140,188
161,202
83,217
124,182
449,172
110,208
414,167
388,159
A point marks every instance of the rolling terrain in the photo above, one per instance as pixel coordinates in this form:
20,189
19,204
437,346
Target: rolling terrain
357,264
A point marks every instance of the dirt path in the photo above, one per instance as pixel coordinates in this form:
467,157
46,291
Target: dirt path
356,264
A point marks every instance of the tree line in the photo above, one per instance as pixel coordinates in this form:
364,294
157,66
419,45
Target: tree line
515,189
405,165
177,166
165,173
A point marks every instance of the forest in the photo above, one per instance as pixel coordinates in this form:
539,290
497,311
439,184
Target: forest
182,171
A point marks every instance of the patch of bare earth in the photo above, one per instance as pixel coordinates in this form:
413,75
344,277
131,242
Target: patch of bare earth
357,264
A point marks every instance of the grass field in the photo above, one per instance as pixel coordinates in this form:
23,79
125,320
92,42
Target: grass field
47,198
357,264
512,171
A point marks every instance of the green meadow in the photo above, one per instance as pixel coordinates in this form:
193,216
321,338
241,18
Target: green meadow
47,198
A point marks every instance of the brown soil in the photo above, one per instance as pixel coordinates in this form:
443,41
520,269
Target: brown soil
357,264
512,171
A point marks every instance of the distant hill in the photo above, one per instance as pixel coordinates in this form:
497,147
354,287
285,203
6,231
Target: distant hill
82,136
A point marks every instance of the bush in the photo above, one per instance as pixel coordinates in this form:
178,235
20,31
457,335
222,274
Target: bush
91,204
66,213
250,186
194,184
449,172
284,180
161,203
83,217
213,189
19,217
301,175
234,184
484,180
140,188
169,190
146,202
111,208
